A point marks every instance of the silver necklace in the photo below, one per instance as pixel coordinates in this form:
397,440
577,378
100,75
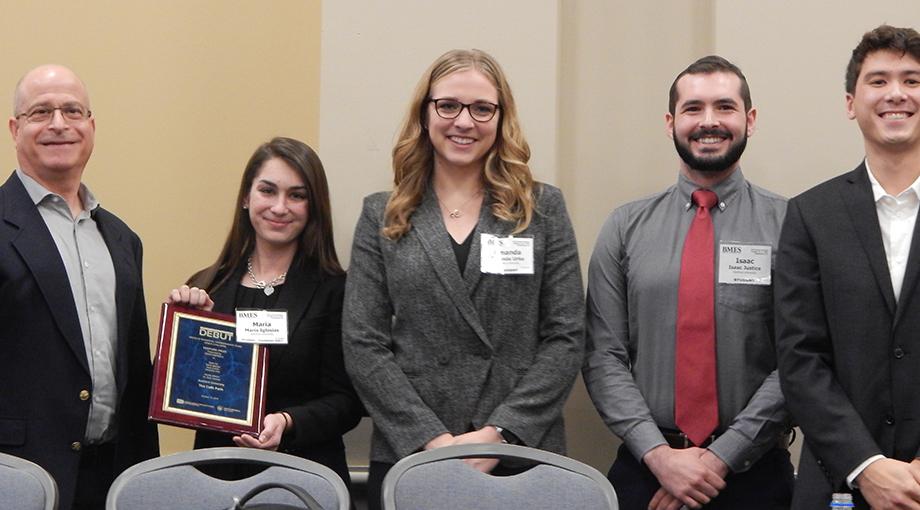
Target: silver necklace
458,212
267,288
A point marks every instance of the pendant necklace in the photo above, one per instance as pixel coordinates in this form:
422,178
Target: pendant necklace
267,288
458,212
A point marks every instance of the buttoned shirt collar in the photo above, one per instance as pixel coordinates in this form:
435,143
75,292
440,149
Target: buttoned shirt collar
726,190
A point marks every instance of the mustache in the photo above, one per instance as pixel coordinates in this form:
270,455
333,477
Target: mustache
710,132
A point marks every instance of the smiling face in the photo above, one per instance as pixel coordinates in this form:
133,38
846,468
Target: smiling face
58,148
277,203
709,126
462,143
885,102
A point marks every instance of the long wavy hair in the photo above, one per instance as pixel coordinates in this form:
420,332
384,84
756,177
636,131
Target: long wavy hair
506,176
316,245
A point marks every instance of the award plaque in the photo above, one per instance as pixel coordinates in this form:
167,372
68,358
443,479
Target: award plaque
203,378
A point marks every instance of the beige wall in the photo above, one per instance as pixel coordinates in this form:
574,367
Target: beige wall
182,92
794,56
618,61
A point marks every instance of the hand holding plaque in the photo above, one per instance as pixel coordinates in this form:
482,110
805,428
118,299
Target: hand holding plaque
203,377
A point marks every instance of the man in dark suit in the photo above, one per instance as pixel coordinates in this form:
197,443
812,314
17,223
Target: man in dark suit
75,368
847,303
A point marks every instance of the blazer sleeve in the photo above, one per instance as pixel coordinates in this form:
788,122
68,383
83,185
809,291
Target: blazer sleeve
396,408
537,400
337,409
835,432
138,438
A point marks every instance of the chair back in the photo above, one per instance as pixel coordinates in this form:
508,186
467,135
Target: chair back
26,485
440,479
174,481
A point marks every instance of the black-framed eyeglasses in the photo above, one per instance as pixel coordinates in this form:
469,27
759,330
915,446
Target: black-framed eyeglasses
480,111
44,113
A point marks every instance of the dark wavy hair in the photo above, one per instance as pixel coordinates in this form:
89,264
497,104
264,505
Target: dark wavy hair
316,242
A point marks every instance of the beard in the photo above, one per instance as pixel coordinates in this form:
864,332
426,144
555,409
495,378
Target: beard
711,163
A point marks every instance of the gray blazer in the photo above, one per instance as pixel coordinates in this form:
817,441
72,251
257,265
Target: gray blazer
432,351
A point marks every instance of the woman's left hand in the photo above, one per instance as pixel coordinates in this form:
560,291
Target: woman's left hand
270,438
487,434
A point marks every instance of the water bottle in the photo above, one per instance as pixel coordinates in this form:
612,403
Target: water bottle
841,500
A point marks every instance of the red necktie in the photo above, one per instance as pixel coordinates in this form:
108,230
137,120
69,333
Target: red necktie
696,403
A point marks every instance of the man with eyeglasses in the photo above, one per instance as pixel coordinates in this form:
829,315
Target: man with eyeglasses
680,360
75,368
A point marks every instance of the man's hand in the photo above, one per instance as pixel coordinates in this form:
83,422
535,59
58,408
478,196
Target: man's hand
714,463
684,475
891,484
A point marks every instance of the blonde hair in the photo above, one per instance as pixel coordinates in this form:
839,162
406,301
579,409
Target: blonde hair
505,174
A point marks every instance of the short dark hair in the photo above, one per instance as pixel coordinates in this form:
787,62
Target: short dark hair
709,65
884,38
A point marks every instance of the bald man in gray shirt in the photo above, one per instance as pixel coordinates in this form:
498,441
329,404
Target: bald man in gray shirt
75,369
631,366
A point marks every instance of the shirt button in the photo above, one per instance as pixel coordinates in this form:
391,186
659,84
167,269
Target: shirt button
889,420
443,359
76,446
898,353
85,264
84,395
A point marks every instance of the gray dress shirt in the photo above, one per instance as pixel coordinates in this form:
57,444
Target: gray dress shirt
91,275
632,313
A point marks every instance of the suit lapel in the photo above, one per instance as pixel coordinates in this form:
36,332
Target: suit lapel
911,275
429,227
38,251
296,295
860,205
488,224
125,288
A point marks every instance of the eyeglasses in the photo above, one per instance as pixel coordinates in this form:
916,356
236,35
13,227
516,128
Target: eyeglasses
44,113
480,111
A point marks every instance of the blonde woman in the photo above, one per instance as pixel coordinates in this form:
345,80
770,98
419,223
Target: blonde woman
463,316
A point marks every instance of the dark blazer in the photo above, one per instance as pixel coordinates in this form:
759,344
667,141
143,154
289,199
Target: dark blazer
306,377
848,353
43,366
433,351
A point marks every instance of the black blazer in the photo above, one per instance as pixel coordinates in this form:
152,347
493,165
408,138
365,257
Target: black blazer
43,366
848,353
306,377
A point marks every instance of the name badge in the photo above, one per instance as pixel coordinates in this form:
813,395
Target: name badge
745,264
506,255
261,326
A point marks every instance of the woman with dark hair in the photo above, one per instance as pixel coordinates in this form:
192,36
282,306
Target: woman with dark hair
447,339
280,255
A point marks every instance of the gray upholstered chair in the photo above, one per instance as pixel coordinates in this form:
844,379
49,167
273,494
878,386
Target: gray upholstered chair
174,482
438,479
25,485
